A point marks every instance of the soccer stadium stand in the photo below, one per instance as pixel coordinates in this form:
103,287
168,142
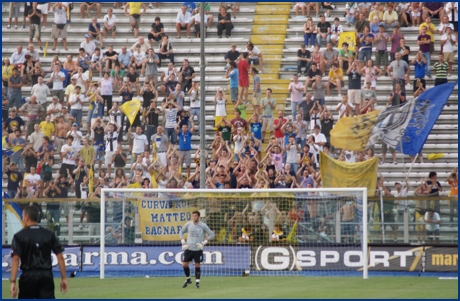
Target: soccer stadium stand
276,32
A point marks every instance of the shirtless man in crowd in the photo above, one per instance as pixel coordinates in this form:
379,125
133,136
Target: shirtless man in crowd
348,215
62,128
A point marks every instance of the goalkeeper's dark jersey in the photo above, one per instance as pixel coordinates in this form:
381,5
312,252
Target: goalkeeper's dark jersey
34,245
196,234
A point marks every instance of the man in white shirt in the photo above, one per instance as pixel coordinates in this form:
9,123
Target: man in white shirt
32,182
36,137
183,21
68,155
320,139
239,139
255,57
296,89
57,78
18,58
401,205
76,105
60,24
88,45
111,146
33,53
432,221
77,136
40,90
448,42
54,109
144,47
140,143
345,108
110,21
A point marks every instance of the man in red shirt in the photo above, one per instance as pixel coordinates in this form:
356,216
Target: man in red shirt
239,122
277,124
243,77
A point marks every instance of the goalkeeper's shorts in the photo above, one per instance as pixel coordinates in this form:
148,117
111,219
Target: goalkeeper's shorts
36,285
190,255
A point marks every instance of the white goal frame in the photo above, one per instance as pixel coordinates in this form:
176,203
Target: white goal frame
363,190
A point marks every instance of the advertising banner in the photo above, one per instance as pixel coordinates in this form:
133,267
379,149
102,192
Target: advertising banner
146,258
350,258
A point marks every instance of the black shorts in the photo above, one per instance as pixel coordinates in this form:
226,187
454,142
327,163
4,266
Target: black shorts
455,25
196,256
36,285
26,10
389,218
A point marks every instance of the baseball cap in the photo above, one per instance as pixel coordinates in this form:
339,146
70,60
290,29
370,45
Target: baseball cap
74,124
87,35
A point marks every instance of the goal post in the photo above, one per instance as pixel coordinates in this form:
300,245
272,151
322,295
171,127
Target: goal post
258,232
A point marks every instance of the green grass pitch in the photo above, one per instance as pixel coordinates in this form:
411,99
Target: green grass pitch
258,287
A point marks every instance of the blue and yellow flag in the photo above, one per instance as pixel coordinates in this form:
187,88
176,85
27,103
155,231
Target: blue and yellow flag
13,218
350,38
338,174
352,133
130,109
427,108
9,150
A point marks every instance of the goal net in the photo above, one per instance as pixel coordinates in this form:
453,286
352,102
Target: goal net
257,232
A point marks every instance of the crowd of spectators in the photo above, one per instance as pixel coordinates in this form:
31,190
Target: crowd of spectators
241,155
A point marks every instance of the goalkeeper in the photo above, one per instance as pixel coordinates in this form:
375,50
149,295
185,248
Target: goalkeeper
193,248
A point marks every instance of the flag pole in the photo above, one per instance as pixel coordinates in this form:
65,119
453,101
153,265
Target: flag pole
412,165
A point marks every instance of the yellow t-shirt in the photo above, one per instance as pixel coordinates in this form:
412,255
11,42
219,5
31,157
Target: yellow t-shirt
338,74
427,30
7,72
69,90
373,13
47,128
135,8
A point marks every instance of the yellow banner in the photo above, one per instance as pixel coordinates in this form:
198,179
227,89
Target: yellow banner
350,38
352,133
162,219
130,109
338,174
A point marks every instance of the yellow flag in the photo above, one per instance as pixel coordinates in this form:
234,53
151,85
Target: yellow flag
91,180
130,109
348,37
44,51
435,156
352,133
292,235
338,174
135,185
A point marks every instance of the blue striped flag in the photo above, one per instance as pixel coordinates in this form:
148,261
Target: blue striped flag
427,108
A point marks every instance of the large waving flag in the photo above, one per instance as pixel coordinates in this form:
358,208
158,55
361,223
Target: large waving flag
352,133
130,109
390,125
427,108
338,174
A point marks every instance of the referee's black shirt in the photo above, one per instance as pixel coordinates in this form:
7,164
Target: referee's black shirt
34,245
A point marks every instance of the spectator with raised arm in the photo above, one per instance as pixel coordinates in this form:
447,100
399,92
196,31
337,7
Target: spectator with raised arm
60,24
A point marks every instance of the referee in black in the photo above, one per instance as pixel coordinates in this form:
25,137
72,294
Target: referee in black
33,245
